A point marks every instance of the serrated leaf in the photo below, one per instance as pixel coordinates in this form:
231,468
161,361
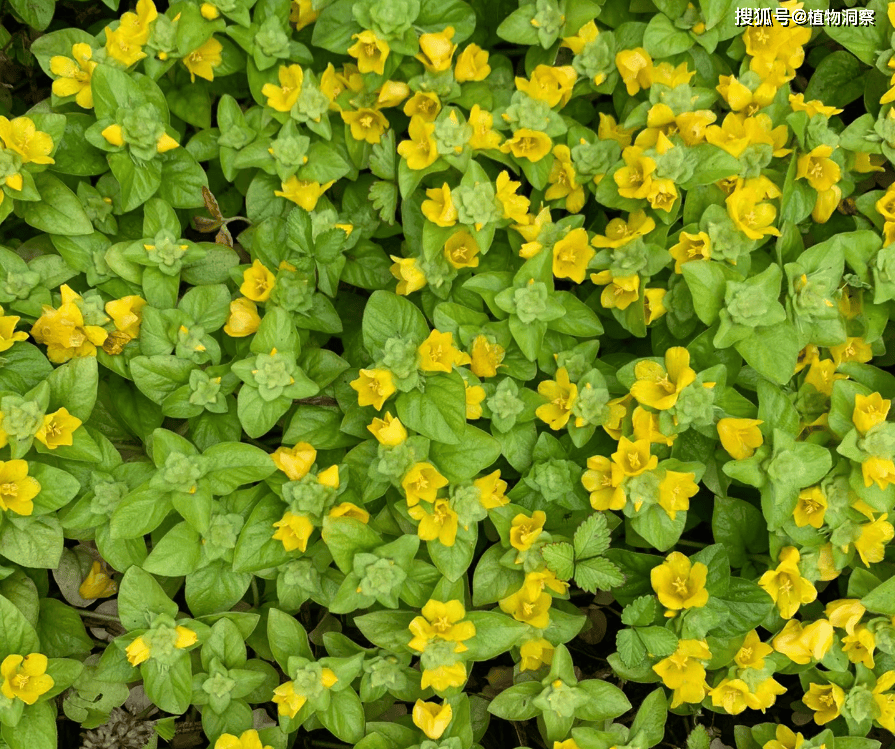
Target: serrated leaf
382,157
658,640
384,197
560,559
631,649
698,738
596,574
640,612
591,537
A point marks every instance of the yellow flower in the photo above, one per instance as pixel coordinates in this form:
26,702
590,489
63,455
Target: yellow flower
439,208
752,217
818,168
515,206
257,282
690,247
349,510
472,65
391,94
885,701
633,458
431,718
8,334
552,85
798,104
139,650
243,319
684,671
287,700
633,179
474,395
880,470
63,330
22,136
646,426
436,50
204,59
524,530
653,304
366,124
620,232
657,386
870,411
561,395
826,564
485,356
438,354
484,136
662,194
534,654
444,677
422,482
603,480
826,700
732,695
609,129
441,621
854,349
811,507
529,605
423,104
675,491
247,740
57,429
421,150
17,488
586,34
407,271
25,678
294,531
859,646
304,193
786,585
874,537
680,584
440,524
635,67
800,644
752,652
785,739
822,374
492,490
528,144
74,74
374,387
845,613
302,13
669,75
563,181
620,292
295,462
571,255
371,52
126,314
97,584
388,431
283,97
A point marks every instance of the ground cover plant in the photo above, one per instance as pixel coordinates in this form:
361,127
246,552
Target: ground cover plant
421,374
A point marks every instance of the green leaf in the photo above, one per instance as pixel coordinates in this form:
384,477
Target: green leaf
440,412
232,464
881,600
16,634
61,630
516,703
748,605
836,80
73,386
32,541
169,687
662,38
596,574
863,41
181,179
560,559
141,598
344,717
387,315
177,553
58,211
463,460
591,537
630,647
604,701
35,730
36,13
387,629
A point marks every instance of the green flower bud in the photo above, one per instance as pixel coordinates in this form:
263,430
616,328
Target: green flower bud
597,58
290,149
163,35
452,132
385,671
190,344
859,703
591,159
466,501
379,577
180,473
642,489
222,533
438,653
559,698
525,112
549,21
92,308
391,18
294,291
531,301
272,374
400,356
107,493
555,479
695,406
755,158
272,38
308,680
476,205
301,573
308,496
20,418
218,687
166,251
205,390
505,404
811,297
312,103
393,462
746,303
675,164
728,242
141,129
19,285
591,405
629,259
879,441
679,300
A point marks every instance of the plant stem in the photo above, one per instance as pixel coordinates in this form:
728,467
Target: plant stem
100,617
693,544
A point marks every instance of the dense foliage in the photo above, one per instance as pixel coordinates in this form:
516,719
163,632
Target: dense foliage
415,374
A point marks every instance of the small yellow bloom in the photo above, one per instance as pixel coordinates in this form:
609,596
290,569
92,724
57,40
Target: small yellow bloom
57,429
388,431
485,356
859,646
680,584
620,232
845,613
609,129
461,250
634,179
302,13
440,524
603,480
436,50
441,620
475,394
374,387
798,104
391,94
126,314
524,530
204,59
423,104
420,150
620,292
684,672
800,644
492,490
732,695
74,74
439,207
422,482
561,395
662,194
8,333
870,411
283,97
563,181
22,136
371,52
528,144
257,282
17,488
633,458
295,462
431,718
690,247
879,470
535,653
25,678
472,64
785,739
528,605
247,740
752,217
786,585
407,271
366,124
811,507
287,700
515,206
822,374
659,387
871,544
586,34
294,531
552,85
818,168
675,491
444,677
854,349
653,304
571,255
97,584
243,319
635,67
826,700
349,510
438,353
752,652
304,193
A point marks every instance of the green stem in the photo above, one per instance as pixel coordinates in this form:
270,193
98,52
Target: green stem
100,617
255,591
693,544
